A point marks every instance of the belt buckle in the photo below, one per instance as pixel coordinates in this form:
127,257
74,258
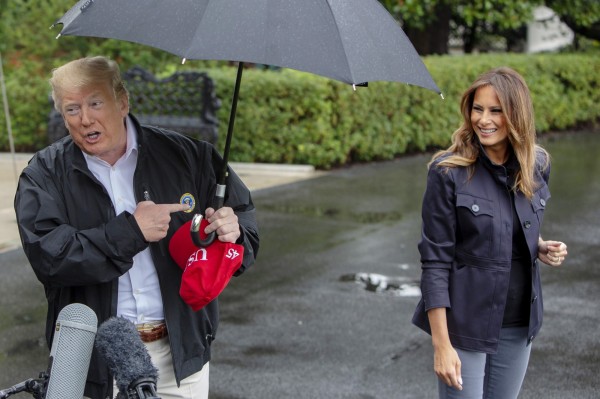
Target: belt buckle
148,327
150,332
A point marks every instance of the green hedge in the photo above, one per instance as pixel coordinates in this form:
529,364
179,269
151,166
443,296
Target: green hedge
295,117
287,116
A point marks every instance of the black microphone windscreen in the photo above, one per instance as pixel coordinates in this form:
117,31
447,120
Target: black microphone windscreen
119,344
71,351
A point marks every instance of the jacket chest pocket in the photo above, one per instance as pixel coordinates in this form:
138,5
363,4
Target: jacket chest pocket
539,202
475,224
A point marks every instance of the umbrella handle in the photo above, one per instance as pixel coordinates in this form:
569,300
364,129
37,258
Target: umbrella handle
220,194
195,226
195,233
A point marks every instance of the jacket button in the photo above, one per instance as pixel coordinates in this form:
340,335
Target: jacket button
543,202
475,208
534,299
527,224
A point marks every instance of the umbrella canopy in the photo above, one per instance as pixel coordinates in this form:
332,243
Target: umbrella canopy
353,41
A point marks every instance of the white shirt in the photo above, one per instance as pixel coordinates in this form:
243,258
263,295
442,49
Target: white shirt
139,298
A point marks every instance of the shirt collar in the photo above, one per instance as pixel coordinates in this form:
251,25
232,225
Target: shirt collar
132,144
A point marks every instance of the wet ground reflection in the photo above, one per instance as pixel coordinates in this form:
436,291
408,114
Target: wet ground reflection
325,312
336,213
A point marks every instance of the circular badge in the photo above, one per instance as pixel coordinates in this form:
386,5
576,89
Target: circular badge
189,200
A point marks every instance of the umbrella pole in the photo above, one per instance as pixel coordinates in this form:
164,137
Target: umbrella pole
234,101
220,194
221,184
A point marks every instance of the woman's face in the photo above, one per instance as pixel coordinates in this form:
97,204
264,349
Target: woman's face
489,123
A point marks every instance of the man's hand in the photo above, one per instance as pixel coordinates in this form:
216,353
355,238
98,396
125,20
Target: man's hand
153,219
224,222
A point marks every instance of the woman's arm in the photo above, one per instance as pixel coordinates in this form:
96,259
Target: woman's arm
446,362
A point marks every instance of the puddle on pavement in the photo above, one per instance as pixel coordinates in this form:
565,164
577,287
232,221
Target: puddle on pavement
380,284
336,213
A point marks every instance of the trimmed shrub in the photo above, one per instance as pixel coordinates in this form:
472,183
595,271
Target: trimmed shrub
286,116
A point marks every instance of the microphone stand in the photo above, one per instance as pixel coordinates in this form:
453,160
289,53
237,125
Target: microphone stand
141,388
36,387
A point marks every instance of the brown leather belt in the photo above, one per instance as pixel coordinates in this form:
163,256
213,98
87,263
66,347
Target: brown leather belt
152,331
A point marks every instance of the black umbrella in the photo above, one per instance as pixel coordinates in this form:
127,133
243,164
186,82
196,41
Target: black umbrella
353,41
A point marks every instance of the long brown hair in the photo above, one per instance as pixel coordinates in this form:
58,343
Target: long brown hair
517,108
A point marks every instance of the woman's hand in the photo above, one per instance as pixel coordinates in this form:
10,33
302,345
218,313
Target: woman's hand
552,253
446,365
446,362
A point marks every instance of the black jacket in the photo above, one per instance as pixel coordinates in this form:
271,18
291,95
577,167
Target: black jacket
466,249
78,246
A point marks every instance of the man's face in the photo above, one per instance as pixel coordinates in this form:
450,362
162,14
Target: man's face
95,120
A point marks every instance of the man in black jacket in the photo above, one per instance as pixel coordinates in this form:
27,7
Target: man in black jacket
96,211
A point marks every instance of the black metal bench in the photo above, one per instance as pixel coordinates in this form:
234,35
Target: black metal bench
185,102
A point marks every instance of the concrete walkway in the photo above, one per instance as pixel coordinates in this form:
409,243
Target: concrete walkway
256,177
10,168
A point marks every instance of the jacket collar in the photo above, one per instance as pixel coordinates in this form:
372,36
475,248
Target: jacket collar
505,173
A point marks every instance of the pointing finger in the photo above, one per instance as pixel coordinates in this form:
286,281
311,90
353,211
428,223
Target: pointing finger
176,207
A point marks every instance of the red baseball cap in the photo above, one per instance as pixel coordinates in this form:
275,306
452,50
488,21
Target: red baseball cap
206,271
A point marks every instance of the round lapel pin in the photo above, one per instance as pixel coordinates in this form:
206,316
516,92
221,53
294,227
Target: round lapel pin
189,200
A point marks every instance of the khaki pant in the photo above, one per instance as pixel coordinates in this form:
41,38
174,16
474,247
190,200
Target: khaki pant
193,387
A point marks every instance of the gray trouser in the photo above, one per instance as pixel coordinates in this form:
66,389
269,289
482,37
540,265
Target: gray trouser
497,376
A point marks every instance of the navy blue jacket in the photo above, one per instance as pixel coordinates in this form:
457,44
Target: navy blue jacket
466,249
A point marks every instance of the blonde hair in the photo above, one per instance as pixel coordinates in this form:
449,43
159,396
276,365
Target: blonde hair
517,109
86,72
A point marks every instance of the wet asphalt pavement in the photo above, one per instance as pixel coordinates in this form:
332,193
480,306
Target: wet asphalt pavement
325,312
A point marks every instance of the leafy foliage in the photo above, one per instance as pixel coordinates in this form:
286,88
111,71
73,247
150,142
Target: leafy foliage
584,13
481,22
503,13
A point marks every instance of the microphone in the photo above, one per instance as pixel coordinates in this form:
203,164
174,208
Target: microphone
119,344
71,351
70,355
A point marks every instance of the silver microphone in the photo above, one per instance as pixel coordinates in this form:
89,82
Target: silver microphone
74,335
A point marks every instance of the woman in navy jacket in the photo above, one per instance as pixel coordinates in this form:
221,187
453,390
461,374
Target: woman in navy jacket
482,214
